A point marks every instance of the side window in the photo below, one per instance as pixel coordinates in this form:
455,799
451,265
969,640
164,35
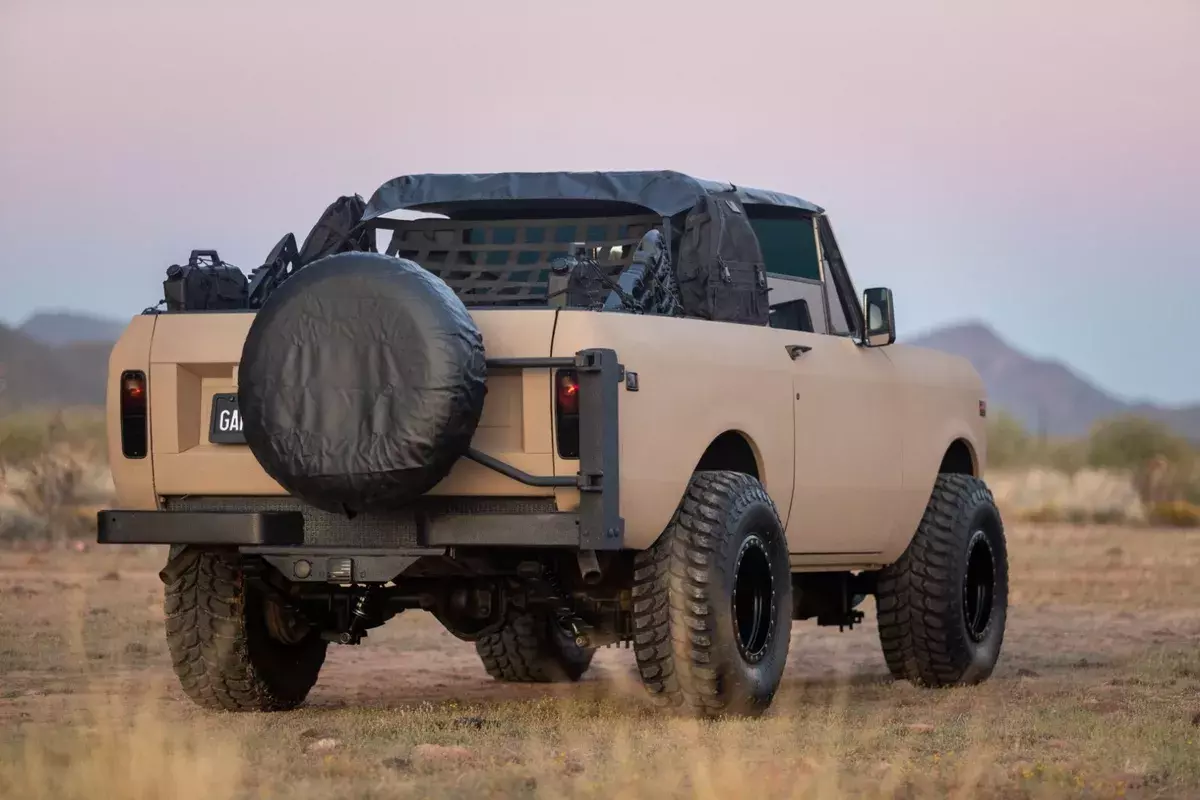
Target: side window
845,316
797,305
788,245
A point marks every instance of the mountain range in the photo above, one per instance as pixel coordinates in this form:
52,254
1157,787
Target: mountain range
60,358
1047,396
57,359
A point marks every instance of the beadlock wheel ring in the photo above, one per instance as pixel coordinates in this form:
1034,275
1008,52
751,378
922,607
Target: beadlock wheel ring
979,586
753,602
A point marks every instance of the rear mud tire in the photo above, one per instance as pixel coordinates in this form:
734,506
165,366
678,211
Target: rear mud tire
943,605
532,648
222,647
712,601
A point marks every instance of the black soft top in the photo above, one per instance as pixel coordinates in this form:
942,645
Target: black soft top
663,192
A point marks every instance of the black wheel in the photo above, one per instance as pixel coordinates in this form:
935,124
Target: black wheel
232,648
943,605
533,648
712,601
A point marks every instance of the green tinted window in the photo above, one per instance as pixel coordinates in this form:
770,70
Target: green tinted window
789,247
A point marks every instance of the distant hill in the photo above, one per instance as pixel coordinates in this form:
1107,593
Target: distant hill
1045,395
57,328
33,374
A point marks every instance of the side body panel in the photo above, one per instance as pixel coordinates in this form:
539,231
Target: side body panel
939,397
133,478
697,379
848,451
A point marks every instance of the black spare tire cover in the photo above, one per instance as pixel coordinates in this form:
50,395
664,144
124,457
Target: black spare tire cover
361,382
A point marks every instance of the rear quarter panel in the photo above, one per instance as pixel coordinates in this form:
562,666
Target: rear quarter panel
133,479
697,380
939,398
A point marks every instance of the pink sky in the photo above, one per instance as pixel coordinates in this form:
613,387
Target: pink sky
1034,165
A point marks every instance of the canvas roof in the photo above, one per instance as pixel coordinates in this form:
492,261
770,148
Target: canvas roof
663,192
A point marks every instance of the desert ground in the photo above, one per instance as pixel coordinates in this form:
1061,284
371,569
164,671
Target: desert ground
1097,695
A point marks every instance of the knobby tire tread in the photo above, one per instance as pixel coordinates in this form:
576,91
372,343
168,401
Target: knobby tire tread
916,609
673,597
210,642
524,652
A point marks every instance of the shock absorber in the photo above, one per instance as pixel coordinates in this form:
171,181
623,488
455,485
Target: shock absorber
357,616
563,611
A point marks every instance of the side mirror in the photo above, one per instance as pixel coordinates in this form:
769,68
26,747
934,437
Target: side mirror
880,318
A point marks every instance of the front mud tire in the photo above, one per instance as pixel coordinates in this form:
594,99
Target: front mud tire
532,648
943,605
224,648
712,601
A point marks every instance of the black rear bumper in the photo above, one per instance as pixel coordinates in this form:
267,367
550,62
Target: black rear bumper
286,529
272,528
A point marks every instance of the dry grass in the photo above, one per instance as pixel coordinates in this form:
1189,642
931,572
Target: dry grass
1095,696
52,475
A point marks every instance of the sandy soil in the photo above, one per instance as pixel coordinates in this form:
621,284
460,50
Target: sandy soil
1104,623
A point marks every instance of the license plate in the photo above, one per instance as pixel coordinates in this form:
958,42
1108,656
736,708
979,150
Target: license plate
225,426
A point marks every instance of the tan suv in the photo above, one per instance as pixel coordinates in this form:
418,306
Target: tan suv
558,411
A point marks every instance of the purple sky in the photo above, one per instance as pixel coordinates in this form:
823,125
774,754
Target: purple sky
1036,169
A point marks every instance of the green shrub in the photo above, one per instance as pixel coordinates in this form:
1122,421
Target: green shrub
1009,444
1109,516
25,436
1175,514
1077,516
1131,442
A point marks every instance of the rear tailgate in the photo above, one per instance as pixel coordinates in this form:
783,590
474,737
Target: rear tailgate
194,357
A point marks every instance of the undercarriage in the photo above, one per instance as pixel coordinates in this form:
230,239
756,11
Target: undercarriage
472,591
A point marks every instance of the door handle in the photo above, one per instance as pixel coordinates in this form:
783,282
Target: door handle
797,350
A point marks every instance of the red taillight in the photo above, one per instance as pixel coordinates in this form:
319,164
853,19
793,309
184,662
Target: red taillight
568,393
566,413
135,435
133,391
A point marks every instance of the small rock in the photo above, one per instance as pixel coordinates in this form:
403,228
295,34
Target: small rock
1027,673
323,746
111,576
922,727
441,754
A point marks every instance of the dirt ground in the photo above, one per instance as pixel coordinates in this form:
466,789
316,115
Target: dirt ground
1097,695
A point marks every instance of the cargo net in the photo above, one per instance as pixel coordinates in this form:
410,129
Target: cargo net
509,261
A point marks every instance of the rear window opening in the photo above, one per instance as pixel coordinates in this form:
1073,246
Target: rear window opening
506,259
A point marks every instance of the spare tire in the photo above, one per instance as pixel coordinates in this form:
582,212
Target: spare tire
361,382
